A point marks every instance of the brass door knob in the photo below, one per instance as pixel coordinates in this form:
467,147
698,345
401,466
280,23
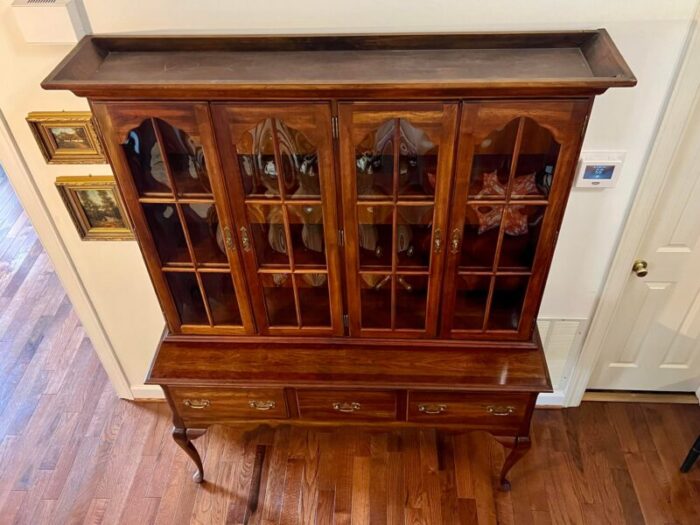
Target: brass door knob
640,268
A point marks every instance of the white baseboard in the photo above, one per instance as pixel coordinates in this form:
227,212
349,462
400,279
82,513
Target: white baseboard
553,399
145,392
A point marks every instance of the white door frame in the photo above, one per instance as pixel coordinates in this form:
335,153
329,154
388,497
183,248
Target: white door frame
686,91
28,193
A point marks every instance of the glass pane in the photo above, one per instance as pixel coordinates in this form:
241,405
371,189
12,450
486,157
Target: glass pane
536,162
186,160
507,302
167,233
521,232
374,160
470,303
411,298
306,227
314,300
413,232
256,159
418,161
278,292
145,160
375,297
267,230
222,298
491,165
205,232
299,163
374,235
187,297
480,236
299,159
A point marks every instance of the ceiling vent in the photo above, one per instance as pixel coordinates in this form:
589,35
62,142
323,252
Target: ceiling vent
50,21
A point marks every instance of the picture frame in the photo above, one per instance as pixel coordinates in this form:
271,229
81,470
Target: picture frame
67,137
95,207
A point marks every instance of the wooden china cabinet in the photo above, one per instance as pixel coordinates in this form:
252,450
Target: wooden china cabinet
347,229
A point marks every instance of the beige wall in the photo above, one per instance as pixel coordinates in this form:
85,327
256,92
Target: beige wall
649,33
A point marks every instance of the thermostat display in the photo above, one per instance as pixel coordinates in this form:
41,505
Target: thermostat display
599,169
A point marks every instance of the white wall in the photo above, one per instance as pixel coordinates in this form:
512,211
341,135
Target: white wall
649,33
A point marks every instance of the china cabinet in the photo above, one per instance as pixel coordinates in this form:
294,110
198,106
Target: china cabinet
347,229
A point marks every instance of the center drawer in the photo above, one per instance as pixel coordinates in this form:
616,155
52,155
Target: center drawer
347,405
199,403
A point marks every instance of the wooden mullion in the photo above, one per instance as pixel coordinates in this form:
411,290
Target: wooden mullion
502,227
424,273
183,222
394,217
497,202
182,200
285,219
300,271
385,202
299,202
501,273
487,306
205,298
214,269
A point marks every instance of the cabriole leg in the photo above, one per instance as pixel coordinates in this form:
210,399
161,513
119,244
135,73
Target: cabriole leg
184,439
519,446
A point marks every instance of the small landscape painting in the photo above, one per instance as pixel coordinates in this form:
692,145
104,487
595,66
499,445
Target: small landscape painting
95,207
67,137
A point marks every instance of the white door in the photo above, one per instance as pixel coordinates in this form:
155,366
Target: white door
653,339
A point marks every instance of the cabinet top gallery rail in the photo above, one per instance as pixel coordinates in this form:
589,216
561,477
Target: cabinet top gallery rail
573,63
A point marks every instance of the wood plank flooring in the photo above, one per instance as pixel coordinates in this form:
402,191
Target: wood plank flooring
71,452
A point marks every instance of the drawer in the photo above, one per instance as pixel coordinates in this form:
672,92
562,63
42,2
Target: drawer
482,410
195,403
347,405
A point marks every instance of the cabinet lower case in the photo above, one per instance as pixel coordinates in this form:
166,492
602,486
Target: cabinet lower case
322,382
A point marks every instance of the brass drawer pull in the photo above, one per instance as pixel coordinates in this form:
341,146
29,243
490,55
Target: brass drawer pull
346,407
431,408
261,405
198,404
500,410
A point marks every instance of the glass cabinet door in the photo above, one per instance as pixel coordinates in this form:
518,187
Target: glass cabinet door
279,165
396,163
515,171
167,170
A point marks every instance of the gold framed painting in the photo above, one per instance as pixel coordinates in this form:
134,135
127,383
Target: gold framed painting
67,137
96,208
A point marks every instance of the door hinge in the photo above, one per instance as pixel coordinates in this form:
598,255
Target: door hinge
335,127
341,237
346,320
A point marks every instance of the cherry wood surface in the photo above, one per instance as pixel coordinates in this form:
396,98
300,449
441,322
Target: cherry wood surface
71,452
440,65
117,121
266,260
335,363
232,122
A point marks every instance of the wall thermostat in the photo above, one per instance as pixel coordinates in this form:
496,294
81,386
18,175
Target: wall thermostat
599,169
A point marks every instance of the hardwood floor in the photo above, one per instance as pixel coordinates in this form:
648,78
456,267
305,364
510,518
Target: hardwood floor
71,452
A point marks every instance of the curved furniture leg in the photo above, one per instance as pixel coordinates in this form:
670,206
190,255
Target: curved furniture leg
519,446
692,456
183,437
